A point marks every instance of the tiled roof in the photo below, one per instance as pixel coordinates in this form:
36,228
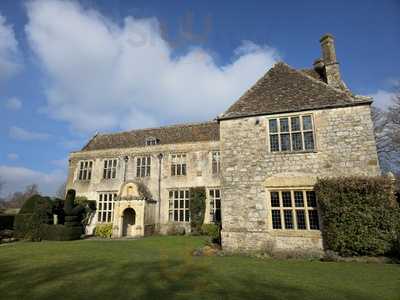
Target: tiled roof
185,133
283,89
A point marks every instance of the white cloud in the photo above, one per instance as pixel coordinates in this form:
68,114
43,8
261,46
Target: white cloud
17,178
13,103
382,98
18,133
12,156
9,54
103,75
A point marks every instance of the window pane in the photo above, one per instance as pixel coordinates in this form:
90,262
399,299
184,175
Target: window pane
286,199
176,194
297,141
298,199
184,169
285,142
274,199
187,216
311,199
176,216
273,126
217,194
181,215
308,140
288,215
218,204
276,219
295,122
186,194
274,142
301,219
284,125
307,124
176,204
313,219
186,203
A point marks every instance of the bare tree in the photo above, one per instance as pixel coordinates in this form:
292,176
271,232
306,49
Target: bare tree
17,199
62,191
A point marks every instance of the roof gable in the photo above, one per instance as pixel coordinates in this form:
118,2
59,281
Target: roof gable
283,89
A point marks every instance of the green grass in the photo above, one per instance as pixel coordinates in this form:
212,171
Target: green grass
162,268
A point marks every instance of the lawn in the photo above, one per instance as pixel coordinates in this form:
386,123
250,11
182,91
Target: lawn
162,268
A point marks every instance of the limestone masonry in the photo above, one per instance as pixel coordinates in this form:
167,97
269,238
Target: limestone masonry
258,162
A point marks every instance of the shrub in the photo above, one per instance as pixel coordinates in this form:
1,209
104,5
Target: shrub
359,215
197,208
6,222
211,230
60,232
104,230
36,210
175,229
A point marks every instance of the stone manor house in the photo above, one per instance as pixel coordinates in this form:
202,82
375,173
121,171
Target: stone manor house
258,161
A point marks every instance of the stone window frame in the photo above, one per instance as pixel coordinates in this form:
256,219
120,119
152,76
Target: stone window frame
212,199
179,205
300,115
215,162
110,172
178,164
143,165
85,170
293,208
105,206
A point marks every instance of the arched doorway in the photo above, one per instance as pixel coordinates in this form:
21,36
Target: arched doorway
129,219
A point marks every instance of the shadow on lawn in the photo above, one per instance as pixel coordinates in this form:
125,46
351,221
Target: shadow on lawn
159,279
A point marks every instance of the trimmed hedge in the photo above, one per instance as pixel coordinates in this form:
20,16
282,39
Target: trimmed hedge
197,208
359,215
6,222
103,230
36,210
59,232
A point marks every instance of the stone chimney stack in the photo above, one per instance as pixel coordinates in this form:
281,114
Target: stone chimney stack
332,70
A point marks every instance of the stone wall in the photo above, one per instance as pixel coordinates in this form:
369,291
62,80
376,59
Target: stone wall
199,173
345,145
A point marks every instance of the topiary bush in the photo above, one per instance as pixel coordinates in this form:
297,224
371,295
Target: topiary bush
37,210
197,208
103,230
58,232
359,215
73,214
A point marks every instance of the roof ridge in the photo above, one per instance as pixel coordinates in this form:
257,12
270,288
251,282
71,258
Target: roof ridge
160,127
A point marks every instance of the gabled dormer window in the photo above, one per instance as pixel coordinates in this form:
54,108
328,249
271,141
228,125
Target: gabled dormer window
151,141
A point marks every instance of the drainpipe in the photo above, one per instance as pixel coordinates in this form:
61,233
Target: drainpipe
160,157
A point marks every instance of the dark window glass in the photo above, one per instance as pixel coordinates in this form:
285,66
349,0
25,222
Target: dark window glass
295,122
176,204
187,216
286,199
301,219
176,216
298,199
297,141
284,125
285,142
274,141
181,215
274,199
313,219
288,215
311,199
308,140
307,123
276,219
273,126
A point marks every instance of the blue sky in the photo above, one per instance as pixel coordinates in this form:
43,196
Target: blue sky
71,68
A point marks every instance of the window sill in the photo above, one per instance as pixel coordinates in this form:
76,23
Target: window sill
296,233
292,152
